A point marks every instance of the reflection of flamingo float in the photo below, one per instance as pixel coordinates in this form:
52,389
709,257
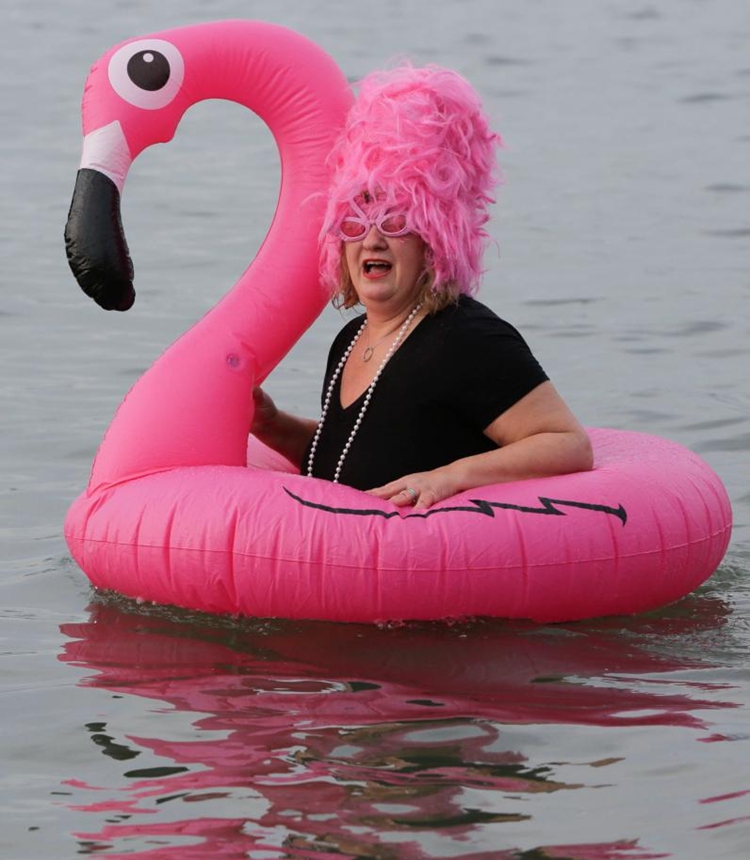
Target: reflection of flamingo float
322,719
522,675
172,513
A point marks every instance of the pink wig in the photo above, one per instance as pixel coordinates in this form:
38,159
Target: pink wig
417,140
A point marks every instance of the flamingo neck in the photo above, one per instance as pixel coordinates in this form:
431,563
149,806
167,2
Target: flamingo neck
194,405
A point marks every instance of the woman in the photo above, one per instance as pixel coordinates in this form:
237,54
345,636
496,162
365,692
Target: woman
429,391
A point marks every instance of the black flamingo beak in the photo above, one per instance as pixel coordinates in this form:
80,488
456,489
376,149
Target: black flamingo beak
95,242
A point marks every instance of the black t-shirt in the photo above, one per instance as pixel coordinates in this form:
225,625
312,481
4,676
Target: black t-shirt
457,371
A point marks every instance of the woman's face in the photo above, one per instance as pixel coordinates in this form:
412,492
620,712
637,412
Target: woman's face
385,271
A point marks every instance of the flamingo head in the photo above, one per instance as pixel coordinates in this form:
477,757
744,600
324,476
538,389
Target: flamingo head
135,96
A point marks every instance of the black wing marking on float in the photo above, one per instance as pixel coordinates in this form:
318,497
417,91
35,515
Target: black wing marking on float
547,507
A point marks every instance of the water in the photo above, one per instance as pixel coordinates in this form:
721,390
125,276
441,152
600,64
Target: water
623,256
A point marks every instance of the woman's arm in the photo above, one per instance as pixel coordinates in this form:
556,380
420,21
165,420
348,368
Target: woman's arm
287,434
538,436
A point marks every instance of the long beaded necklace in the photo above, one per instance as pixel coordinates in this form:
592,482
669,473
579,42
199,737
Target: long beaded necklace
368,396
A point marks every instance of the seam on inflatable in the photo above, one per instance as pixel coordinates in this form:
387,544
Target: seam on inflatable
137,545
168,548
231,563
584,560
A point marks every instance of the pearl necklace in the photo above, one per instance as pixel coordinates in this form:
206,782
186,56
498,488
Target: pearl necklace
368,396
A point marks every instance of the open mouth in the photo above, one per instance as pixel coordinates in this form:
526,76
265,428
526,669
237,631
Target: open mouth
376,267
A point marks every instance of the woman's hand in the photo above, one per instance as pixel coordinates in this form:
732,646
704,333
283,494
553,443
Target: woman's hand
421,489
266,411
287,434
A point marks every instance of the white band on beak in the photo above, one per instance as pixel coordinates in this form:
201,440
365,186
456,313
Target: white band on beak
106,150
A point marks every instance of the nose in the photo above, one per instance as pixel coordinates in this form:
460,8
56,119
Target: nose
374,238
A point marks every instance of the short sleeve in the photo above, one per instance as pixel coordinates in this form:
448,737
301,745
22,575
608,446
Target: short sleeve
490,368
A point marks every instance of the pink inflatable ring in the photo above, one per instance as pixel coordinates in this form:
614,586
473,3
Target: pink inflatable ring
173,513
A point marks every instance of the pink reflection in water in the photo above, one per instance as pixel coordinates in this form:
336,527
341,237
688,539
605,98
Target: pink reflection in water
332,735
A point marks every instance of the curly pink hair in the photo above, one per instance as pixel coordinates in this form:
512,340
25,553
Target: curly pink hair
417,139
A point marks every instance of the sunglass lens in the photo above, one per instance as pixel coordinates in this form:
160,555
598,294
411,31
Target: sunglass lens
351,229
393,224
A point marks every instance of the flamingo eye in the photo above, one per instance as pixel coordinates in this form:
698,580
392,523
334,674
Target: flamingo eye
148,73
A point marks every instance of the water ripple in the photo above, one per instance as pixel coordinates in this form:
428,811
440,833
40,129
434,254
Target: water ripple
705,98
736,443
730,233
727,188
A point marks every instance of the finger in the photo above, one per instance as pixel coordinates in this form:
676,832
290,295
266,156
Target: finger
400,502
382,492
387,491
405,497
425,500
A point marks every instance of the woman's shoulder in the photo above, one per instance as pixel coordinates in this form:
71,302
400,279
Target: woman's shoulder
469,318
489,361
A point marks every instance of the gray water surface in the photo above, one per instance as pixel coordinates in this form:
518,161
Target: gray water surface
623,244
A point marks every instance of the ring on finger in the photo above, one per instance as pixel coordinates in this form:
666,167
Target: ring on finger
412,492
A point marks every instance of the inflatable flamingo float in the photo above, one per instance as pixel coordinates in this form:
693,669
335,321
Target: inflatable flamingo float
174,513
